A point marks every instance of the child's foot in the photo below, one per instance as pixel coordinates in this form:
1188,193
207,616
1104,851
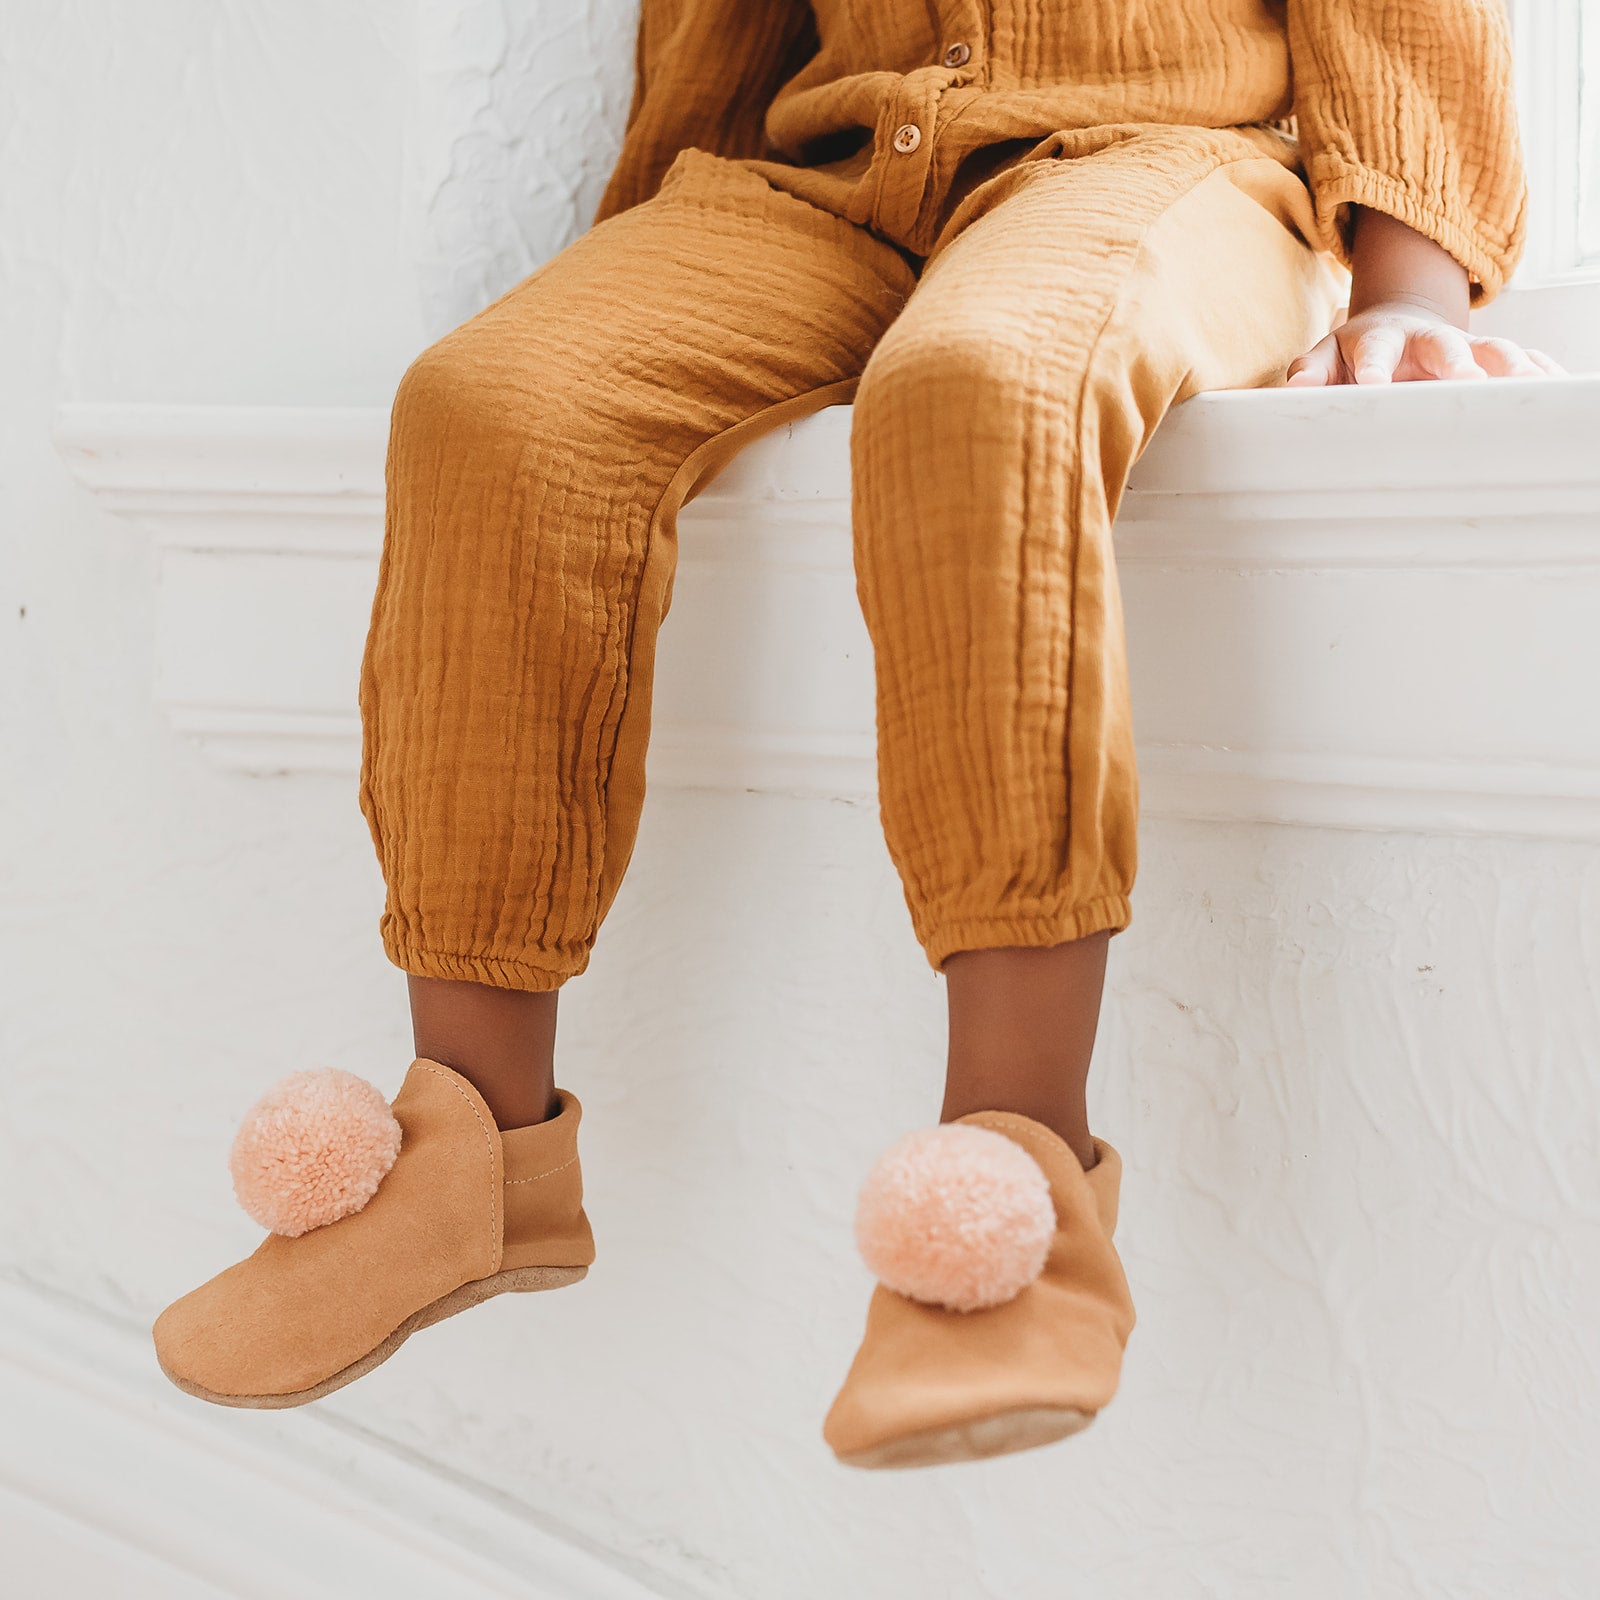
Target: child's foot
386,1221
1001,1312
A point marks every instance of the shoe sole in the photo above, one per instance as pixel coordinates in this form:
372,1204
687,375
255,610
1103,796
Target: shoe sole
520,1280
1000,1435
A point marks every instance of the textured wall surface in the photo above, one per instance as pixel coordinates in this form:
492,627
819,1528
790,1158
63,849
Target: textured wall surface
1353,1074
520,110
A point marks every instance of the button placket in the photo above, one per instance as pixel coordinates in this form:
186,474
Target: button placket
906,149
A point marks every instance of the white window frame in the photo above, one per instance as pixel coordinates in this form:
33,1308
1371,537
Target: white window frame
1559,109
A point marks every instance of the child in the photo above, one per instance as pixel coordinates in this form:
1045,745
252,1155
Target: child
1014,235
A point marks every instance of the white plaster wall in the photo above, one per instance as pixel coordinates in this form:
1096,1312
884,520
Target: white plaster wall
1353,1074
520,112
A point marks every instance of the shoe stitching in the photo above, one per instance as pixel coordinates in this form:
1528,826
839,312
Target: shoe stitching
511,1183
1024,1132
494,1199
1043,1138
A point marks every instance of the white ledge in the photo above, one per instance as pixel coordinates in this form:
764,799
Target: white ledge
1345,608
1445,459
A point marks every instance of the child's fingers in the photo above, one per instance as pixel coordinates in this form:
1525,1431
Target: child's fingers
1552,369
1500,358
1318,366
1377,353
1445,353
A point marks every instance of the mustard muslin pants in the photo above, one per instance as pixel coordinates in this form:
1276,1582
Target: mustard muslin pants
1003,385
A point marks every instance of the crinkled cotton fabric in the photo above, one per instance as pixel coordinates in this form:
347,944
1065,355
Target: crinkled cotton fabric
1403,105
1003,387
1087,224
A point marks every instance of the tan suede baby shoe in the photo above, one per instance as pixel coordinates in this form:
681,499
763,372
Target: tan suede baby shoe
1001,1311
385,1220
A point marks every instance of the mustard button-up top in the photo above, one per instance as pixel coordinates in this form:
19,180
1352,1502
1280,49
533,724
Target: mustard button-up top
1402,105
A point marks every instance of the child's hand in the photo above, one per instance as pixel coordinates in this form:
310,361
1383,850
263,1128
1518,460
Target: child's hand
1400,341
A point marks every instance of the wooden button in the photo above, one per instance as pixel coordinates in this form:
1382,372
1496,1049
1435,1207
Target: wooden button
907,137
958,55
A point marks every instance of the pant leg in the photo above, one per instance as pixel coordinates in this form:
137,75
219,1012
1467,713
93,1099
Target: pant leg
993,432
538,457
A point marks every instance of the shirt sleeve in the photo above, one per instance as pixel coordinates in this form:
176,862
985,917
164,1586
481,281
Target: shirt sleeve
1408,106
705,72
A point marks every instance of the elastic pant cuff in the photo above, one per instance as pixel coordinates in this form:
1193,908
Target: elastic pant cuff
497,971
1111,913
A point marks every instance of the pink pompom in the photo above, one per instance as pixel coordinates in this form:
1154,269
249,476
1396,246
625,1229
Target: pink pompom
958,1216
313,1149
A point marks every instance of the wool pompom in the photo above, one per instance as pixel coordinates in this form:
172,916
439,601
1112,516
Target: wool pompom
958,1216
313,1149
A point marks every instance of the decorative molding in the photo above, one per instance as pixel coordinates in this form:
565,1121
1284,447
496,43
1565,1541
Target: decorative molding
284,480
102,1463
1377,792
264,480
1345,609
274,743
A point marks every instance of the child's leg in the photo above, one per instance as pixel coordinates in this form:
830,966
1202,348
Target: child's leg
503,1041
994,430
538,458
1022,1027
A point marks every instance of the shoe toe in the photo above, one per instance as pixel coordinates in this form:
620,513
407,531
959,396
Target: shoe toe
227,1339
